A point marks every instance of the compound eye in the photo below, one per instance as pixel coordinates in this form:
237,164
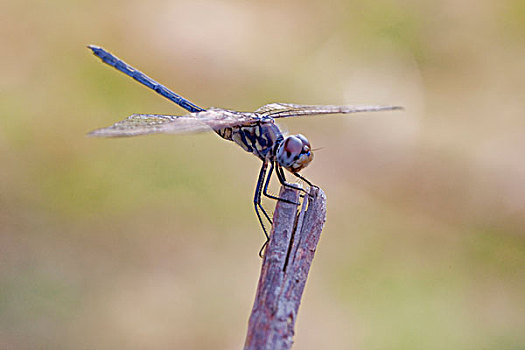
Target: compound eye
293,145
304,140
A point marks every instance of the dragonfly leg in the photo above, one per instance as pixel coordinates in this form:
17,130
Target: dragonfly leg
257,205
305,180
282,180
265,190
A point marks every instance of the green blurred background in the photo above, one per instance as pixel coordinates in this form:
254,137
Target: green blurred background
152,242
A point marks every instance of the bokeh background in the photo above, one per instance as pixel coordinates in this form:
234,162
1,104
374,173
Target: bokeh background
151,242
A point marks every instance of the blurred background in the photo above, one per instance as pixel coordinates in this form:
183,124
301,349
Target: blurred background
152,242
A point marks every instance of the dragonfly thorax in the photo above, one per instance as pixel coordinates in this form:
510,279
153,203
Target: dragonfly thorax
260,138
294,153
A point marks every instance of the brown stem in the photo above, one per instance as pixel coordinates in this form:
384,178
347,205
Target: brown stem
285,269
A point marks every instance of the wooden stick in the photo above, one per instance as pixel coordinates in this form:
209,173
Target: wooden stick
285,269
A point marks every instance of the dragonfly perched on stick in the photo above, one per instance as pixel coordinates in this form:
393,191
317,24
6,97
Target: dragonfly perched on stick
255,132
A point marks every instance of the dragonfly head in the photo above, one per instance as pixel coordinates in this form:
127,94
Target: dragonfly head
294,153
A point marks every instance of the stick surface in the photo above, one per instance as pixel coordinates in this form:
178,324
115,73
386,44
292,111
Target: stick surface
285,268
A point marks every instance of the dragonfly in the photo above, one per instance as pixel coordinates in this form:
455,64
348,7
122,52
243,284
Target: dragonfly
255,132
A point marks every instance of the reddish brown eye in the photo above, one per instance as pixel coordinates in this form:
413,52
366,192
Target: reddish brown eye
293,145
294,153
304,140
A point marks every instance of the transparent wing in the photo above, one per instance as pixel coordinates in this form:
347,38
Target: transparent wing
285,110
143,124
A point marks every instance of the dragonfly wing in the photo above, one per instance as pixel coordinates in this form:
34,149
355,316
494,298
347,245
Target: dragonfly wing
143,124
285,110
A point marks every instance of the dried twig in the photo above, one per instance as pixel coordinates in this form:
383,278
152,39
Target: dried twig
285,269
